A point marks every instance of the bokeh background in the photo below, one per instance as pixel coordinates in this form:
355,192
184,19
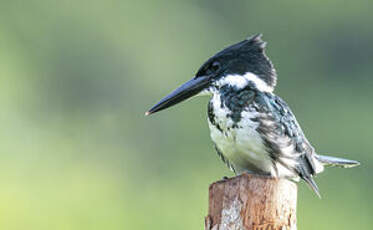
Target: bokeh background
76,77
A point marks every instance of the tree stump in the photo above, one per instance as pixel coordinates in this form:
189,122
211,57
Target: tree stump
252,202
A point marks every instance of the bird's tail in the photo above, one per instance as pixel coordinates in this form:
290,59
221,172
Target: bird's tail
335,161
319,161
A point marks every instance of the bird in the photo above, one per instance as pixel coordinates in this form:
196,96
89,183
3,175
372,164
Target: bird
253,129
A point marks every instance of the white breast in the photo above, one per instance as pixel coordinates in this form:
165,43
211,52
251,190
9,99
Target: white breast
242,146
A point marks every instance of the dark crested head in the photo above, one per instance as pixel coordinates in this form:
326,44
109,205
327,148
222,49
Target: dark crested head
247,56
238,65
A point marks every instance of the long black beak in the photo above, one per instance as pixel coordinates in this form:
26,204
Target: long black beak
185,91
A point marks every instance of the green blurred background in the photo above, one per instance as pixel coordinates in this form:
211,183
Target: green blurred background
77,76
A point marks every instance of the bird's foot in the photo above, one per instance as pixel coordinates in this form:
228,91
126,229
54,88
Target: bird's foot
260,173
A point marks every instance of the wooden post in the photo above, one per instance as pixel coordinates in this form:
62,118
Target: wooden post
252,202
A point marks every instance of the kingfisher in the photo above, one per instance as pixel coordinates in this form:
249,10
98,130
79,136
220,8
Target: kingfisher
253,130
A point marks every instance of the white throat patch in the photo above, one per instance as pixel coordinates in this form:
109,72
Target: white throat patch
240,81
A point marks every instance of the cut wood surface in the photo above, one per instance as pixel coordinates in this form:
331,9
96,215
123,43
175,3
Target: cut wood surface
252,202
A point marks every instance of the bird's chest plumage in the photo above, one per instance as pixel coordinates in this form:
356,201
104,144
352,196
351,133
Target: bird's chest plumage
233,129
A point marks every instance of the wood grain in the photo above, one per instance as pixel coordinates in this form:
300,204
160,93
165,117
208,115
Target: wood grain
252,202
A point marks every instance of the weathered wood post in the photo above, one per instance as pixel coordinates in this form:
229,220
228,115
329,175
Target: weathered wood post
252,202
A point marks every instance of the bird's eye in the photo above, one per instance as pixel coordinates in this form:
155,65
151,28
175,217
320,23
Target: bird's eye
215,66
209,69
